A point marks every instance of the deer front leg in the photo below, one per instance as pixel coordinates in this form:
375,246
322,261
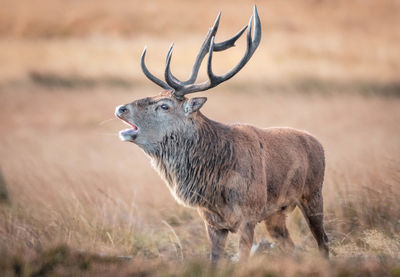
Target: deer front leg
217,238
246,240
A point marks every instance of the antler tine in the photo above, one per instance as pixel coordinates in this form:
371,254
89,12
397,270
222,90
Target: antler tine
204,49
151,76
214,80
221,46
252,44
171,80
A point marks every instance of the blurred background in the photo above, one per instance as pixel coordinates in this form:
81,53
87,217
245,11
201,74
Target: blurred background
70,188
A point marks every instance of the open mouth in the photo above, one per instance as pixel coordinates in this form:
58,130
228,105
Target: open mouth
129,134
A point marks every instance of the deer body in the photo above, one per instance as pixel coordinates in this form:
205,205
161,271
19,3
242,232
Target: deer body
234,175
240,175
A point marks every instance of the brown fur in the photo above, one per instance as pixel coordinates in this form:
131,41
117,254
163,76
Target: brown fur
234,175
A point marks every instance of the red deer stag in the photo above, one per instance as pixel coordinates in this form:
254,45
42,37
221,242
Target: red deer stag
234,175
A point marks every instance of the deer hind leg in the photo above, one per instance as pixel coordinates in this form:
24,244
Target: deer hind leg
246,240
276,226
312,208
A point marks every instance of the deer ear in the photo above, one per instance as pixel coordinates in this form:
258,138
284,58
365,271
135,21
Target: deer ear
194,104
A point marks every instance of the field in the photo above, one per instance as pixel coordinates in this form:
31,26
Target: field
75,200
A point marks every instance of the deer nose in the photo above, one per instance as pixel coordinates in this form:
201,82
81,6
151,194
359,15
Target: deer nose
120,110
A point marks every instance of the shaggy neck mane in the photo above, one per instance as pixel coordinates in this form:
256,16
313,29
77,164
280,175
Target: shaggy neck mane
194,164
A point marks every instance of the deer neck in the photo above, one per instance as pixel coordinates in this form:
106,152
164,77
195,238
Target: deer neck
194,162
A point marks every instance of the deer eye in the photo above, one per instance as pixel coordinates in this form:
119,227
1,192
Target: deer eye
164,107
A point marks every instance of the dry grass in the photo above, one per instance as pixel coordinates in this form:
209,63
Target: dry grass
75,200
71,181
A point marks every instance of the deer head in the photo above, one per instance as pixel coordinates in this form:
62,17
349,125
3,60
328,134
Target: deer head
152,118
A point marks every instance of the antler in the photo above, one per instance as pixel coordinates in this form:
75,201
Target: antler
180,89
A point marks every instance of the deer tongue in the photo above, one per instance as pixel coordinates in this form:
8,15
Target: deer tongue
128,134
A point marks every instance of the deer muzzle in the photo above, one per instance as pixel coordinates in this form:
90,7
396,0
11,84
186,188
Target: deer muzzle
131,133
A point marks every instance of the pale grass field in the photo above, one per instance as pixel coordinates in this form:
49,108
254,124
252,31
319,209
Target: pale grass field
74,200
72,182
327,40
